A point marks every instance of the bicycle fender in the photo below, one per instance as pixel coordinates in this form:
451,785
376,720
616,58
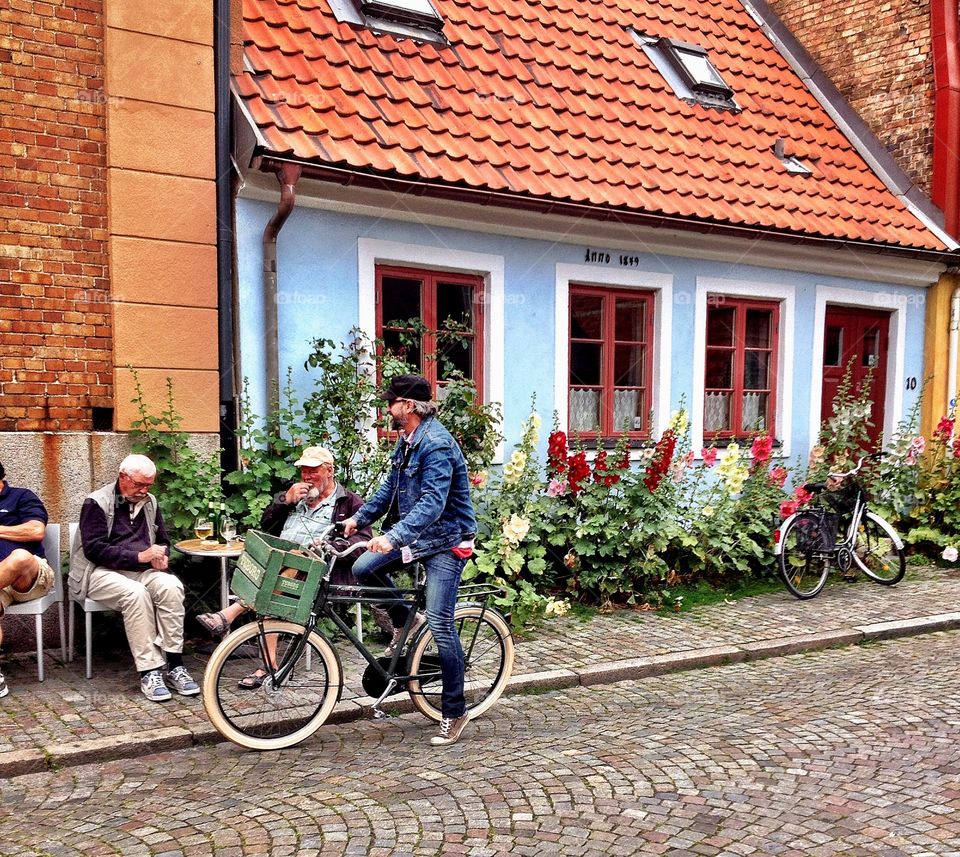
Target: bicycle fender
778,541
889,530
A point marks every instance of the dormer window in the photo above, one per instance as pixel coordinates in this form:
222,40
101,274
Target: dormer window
688,70
417,13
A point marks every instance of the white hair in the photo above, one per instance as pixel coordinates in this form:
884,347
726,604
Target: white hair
138,464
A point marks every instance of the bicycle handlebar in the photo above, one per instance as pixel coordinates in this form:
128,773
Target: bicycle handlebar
323,541
856,469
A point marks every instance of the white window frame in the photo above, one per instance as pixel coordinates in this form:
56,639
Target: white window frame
786,297
618,278
374,251
887,301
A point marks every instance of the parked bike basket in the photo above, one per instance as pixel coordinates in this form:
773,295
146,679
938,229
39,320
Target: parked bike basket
258,581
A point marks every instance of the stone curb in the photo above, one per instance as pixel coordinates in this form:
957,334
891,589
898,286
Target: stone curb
15,763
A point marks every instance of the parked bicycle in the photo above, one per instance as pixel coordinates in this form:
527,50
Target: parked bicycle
290,591
811,541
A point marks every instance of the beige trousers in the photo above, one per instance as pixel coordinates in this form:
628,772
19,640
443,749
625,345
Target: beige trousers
152,606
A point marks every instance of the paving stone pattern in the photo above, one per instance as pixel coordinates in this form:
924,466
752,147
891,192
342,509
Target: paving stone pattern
849,752
50,722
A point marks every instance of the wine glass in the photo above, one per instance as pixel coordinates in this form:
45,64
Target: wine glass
228,529
203,527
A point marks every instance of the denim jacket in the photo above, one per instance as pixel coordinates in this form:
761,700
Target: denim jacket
432,491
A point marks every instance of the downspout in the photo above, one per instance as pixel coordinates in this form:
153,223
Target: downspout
288,175
945,32
224,203
954,344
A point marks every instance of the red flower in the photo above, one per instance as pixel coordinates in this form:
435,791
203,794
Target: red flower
762,446
709,456
801,495
778,475
660,463
787,508
944,428
557,453
601,472
577,471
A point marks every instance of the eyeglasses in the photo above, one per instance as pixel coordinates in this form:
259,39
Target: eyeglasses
136,483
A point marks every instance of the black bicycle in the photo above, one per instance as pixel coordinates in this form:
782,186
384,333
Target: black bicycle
291,592
844,532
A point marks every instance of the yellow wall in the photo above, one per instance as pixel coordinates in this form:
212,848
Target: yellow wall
162,206
936,396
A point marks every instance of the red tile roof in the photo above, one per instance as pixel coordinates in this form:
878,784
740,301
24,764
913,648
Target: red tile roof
553,100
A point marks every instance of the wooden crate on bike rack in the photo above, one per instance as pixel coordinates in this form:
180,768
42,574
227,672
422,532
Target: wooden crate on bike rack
258,580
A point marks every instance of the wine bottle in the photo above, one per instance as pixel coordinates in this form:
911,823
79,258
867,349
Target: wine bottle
220,517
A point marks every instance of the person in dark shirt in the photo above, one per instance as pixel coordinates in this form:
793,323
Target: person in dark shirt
24,571
123,563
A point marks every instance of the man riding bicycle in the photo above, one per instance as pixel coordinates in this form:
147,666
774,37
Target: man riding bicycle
430,518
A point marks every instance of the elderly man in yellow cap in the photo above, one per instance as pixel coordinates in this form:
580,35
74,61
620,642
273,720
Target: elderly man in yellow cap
300,514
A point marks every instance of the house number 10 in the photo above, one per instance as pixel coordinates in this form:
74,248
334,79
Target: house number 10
911,383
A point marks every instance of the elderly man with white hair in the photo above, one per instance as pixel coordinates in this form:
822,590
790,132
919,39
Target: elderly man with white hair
121,560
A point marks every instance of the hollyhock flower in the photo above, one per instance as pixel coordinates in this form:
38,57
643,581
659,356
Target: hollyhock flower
950,554
778,475
479,479
944,428
787,508
816,456
570,560
557,453
515,530
577,471
801,495
513,469
679,421
709,456
555,488
916,448
761,448
707,511
660,462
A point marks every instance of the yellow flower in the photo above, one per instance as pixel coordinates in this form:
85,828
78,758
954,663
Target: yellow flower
516,529
679,421
707,511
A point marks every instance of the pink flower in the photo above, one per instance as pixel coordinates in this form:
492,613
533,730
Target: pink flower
478,479
709,456
761,449
802,495
916,448
778,475
555,488
787,508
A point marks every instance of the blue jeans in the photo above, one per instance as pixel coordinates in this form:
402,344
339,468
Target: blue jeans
443,581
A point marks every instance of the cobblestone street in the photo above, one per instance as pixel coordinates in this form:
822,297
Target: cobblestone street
850,751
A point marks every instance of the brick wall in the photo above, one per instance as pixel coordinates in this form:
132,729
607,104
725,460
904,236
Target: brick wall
878,56
55,325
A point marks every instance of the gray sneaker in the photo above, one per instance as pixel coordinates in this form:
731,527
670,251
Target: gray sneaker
153,687
4,690
450,730
182,682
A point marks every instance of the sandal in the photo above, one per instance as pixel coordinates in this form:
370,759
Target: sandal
254,680
215,624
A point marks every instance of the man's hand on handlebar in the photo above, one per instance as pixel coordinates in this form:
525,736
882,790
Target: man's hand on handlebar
380,544
349,526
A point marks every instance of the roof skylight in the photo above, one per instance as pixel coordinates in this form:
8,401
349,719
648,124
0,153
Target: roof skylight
413,19
418,13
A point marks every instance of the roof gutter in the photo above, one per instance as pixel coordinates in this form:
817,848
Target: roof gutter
945,45
348,176
288,175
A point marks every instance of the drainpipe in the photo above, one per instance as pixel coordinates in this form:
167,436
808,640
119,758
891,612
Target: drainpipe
954,343
224,197
288,175
945,33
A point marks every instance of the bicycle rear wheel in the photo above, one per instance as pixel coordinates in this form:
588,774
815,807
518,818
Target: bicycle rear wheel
488,659
876,551
271,717
803,565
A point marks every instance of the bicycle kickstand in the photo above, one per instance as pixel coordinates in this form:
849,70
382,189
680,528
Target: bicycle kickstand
378,712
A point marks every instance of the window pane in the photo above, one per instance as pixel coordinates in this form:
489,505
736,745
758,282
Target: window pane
401,300
400,344
584,410
720,325
871,348
586,316
719,372
628,365
699,67
753,414
758,328
454,305
584,363
629,320
456,355
833,346
716,412
755,370
629,407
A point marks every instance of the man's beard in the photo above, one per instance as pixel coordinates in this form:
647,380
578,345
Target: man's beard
395,424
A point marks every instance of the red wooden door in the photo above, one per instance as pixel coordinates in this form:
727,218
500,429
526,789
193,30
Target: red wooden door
861,336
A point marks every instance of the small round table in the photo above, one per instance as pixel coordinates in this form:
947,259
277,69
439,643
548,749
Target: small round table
224,552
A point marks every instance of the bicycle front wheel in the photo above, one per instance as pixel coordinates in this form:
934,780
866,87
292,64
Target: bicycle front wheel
803,566
488,662
876,551
271,716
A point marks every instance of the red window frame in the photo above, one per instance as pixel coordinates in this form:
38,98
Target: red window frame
739,350
608,342
429,280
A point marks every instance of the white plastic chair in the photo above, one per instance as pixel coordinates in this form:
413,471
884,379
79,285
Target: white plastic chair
89,607
39,606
